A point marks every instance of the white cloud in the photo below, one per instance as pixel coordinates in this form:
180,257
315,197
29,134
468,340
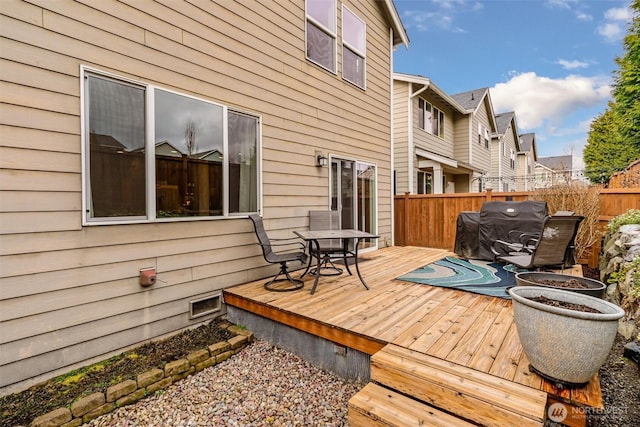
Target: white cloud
619,14
611,31
424,21
562,4
572,65
615,27
538,100
440,16
581,16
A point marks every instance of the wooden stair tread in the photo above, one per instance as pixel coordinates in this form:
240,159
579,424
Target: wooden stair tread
375,405
457,389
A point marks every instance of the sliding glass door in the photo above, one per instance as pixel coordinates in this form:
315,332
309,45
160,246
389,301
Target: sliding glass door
353,194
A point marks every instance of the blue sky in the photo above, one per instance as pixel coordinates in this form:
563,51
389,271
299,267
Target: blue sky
550,61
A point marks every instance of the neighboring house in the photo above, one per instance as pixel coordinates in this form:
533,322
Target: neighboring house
504,146
556,170
473,135
435,148
526,160
424,138
88,201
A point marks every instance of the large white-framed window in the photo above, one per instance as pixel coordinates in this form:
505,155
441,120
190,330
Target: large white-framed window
151,154
512,158
354,48
430,118
321,33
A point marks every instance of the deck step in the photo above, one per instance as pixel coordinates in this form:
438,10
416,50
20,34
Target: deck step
456,389
376,406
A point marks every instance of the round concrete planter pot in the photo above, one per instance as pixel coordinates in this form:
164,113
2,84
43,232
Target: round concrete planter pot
595,288
564,346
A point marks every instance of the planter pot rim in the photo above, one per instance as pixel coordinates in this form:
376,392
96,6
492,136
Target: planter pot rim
530,276
521,294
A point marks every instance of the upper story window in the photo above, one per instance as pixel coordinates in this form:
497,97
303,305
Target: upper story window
354,46
512,159
153,154
430,118
321,34
486,138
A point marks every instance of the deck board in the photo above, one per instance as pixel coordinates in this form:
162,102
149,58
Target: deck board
470,330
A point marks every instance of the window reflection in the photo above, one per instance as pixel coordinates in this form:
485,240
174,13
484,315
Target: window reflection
205,155
116,154
243,167
189,155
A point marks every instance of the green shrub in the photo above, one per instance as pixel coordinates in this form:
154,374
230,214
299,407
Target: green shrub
632,216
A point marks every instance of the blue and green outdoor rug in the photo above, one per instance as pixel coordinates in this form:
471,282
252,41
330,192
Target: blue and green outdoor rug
472,275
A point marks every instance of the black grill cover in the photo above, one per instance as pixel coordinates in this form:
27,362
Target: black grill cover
467,227
497,219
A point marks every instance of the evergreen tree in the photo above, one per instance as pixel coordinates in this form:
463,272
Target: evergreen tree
614,137
605,151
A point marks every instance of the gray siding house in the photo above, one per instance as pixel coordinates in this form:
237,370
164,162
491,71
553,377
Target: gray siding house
554,170
526,161
140,135
473,135
442,143
505,144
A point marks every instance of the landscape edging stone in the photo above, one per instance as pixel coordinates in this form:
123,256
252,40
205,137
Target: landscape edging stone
195,362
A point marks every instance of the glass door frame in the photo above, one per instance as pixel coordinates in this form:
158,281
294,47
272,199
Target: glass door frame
337,160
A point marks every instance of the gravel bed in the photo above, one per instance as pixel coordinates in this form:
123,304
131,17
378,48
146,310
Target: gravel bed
260,386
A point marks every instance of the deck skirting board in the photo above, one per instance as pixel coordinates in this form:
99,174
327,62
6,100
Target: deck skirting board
345,362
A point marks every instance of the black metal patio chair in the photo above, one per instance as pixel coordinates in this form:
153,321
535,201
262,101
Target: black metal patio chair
329,249
552,247
281,257
520,242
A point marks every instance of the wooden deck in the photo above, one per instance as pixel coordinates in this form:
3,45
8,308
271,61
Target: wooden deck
473,332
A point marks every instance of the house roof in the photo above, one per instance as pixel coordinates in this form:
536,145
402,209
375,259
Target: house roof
503,120
399,33
528,143
472,100
527,140
106,142
557,163
428,84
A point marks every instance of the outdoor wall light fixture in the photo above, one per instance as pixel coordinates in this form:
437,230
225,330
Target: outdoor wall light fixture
321,160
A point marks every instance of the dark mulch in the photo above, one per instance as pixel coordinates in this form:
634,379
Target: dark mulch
22,408
570,283
564,304
620,382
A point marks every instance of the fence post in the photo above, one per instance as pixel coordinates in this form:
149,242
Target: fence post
489,194
406,218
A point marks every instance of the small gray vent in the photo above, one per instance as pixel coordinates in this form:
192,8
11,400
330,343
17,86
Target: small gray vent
206,305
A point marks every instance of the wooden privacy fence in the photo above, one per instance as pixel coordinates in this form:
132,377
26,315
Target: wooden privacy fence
429,220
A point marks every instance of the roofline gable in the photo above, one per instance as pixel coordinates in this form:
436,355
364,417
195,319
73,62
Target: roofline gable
428,84
400,34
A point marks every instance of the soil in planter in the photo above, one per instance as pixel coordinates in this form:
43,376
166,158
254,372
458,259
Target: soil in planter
570,284
565,304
